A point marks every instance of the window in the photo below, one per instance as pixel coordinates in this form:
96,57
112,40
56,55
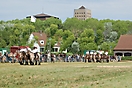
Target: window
41,49
42,42
55,49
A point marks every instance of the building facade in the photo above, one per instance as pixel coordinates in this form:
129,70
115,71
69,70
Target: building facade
82,13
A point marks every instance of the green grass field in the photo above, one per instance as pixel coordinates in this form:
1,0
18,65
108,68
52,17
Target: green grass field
67,75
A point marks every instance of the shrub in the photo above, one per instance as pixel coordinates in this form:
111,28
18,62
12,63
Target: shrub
127,58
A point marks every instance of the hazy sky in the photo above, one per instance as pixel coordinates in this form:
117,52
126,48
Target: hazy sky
101,9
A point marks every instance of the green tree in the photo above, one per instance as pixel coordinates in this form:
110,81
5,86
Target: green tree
58,35
55,21
67,43
99,37
107,31
75,47
121,27
105,46
53,29
87,40
74,25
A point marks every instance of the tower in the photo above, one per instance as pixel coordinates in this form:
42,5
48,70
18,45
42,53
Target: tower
82,13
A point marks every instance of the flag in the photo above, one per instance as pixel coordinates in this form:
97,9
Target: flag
33,19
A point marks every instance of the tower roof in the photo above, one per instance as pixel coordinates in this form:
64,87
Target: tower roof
82,7
41,15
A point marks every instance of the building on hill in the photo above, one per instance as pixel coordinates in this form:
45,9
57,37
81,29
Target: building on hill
124,46
42,16
82,13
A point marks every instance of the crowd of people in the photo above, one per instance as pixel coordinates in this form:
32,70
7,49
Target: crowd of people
52,57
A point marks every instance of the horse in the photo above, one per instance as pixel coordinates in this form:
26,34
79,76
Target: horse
30,57
37,58
87,58
94,57
22,58
2,58
113,58
105,57
98,57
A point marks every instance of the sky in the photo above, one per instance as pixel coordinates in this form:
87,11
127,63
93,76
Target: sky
101,9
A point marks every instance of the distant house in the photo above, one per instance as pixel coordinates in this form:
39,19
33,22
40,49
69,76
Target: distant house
124,46
41,42
56,47
42,16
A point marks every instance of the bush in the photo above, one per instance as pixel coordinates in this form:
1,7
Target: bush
69,53
127,58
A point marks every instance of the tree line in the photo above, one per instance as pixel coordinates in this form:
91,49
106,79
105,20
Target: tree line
91,34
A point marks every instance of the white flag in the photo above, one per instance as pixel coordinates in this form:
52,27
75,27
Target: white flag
33,19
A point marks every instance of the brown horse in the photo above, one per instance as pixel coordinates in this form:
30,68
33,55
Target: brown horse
105,57
37,58
30,57
94,57
22,58
87,58
98,57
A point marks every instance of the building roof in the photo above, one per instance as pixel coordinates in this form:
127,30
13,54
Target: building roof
41,37
58,44
82,7
124,43
42,16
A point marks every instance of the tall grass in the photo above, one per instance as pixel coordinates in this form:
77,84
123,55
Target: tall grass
66,75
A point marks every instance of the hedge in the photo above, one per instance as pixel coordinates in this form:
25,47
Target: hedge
127,58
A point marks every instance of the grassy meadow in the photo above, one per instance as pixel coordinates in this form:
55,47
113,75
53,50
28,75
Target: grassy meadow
67,75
